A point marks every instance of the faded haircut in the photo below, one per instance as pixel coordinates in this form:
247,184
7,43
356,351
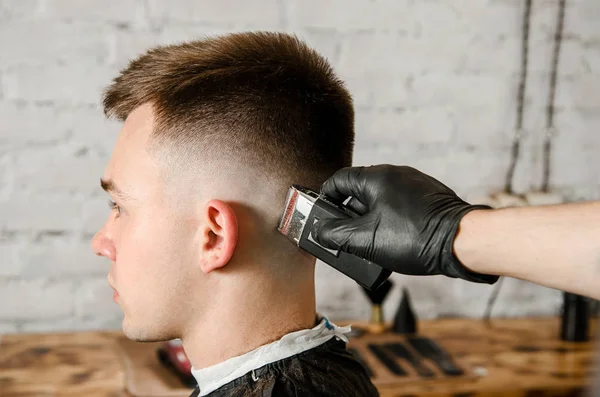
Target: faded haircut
267,98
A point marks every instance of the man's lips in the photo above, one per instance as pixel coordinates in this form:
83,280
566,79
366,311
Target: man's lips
115,293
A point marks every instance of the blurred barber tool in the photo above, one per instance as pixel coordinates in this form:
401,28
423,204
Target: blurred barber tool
429,349
575,318
305,207
400,351
382,355
405,321
377,296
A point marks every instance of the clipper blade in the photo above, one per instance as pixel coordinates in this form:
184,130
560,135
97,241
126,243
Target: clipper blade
298,204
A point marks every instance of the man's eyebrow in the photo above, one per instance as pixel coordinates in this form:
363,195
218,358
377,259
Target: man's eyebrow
109,186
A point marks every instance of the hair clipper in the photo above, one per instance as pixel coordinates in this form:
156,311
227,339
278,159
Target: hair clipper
303,208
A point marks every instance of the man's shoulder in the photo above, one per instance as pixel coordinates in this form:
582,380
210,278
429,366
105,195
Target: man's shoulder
334,372
327,370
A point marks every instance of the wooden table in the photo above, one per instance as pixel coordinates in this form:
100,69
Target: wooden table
517,357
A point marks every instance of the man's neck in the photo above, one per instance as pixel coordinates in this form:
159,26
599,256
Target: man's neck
248,315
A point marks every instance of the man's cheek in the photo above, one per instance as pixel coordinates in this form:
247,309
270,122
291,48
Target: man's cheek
131,265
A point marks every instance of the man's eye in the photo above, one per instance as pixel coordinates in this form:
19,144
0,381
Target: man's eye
113,206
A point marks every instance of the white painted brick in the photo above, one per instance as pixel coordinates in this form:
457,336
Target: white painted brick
128,44
387,14
47,326
326,42
105,322
27,125
35,299
580,52
461,90
378,154
9,261
23,9
8,328
473,298
433,296
389,53
76,83
573,165
94,302
465,170
438,20
60,256
577,57
580,91
95,212
517,298
54,212
6,177
90,323
175,32
574,94
88,127
580,193
540,57
536,97
48,42
543,19
24,124
389,153
491,18
578,126
94,10
489,54
407,128
368,52
377,88
484,126
248,13
68,168
581,20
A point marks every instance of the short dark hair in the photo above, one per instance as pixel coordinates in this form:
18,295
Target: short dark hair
267,96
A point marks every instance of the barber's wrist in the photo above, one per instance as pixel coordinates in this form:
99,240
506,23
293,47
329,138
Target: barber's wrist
469,241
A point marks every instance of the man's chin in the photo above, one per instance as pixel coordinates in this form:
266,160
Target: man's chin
144,334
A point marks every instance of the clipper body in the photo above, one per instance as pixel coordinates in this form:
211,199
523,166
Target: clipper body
303,208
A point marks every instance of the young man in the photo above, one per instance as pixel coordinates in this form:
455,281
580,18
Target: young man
215,132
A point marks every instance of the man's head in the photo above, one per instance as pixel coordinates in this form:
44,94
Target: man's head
215,132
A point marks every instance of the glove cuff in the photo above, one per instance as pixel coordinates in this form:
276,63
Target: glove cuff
454,268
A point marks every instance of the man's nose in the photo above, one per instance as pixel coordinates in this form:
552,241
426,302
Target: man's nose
102,245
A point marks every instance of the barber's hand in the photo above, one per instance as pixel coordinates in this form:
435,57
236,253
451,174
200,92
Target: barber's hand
408,225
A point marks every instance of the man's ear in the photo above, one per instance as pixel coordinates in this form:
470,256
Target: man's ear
220,235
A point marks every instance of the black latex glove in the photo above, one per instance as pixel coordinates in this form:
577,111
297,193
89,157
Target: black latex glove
408,225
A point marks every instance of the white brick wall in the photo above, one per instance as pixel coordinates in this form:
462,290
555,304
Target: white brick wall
36,299
433,81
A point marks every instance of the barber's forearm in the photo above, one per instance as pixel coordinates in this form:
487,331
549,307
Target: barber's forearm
555,246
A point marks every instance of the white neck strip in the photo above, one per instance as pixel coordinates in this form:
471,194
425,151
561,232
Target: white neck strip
211,378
